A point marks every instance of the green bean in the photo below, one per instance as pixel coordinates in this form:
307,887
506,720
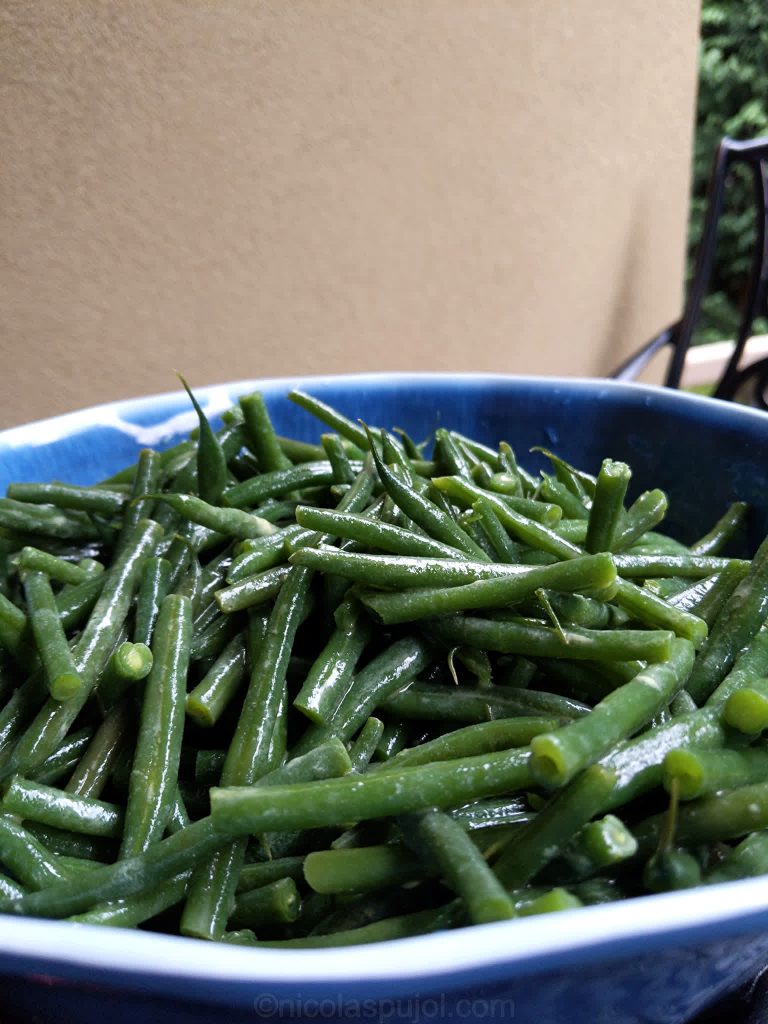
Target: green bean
261,554
445,843
230,522
395,667
64,681
539,842
374,532
751,663
282,481
213,884
701,772
557,493
549,903
362,869
75,605
155,765
599,844
207,701
146,479
9,891
134,910
726,815
587,573
211,641
364,747
741,618
329,678
155,581
128,664
495,813
747,860
26,857
95,767
337,456
64,759
579,483
438,703
275,903
91,650
656,612
722,532
355,798
253,876
34,801
709,604
638,762
261,434
505,549
54,568
605,515
66,496
211,461
485,737
557,756
643,515
526,637
252,590
118,880
389,928
13,628
747,710
688,566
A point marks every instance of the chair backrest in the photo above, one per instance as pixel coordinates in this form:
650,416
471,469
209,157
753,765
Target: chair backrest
754,155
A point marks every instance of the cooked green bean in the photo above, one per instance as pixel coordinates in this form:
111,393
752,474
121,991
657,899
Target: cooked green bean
64,680
587,573
607,509
281,481
33,801
443,842
701,772
247,809
155,765
54,568
329,678
722,532
556,757
207,701
67,496
276,902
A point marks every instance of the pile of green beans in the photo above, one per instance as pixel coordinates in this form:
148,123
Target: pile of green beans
269,692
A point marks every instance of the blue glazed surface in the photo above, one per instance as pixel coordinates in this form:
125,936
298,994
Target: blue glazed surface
658,959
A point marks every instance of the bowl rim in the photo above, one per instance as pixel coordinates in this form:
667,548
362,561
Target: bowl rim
531,944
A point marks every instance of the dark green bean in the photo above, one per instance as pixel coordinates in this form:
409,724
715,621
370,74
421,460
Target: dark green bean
713,542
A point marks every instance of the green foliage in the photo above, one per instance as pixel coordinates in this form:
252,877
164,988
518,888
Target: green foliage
733,100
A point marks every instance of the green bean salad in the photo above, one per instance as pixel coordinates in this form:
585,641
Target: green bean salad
267,692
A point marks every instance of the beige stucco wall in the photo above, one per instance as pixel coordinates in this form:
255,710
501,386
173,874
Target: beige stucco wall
245,188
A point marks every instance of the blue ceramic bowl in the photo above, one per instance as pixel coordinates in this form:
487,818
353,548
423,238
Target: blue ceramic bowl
659,958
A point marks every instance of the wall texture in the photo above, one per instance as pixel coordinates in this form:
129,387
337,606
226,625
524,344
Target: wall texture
252,188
